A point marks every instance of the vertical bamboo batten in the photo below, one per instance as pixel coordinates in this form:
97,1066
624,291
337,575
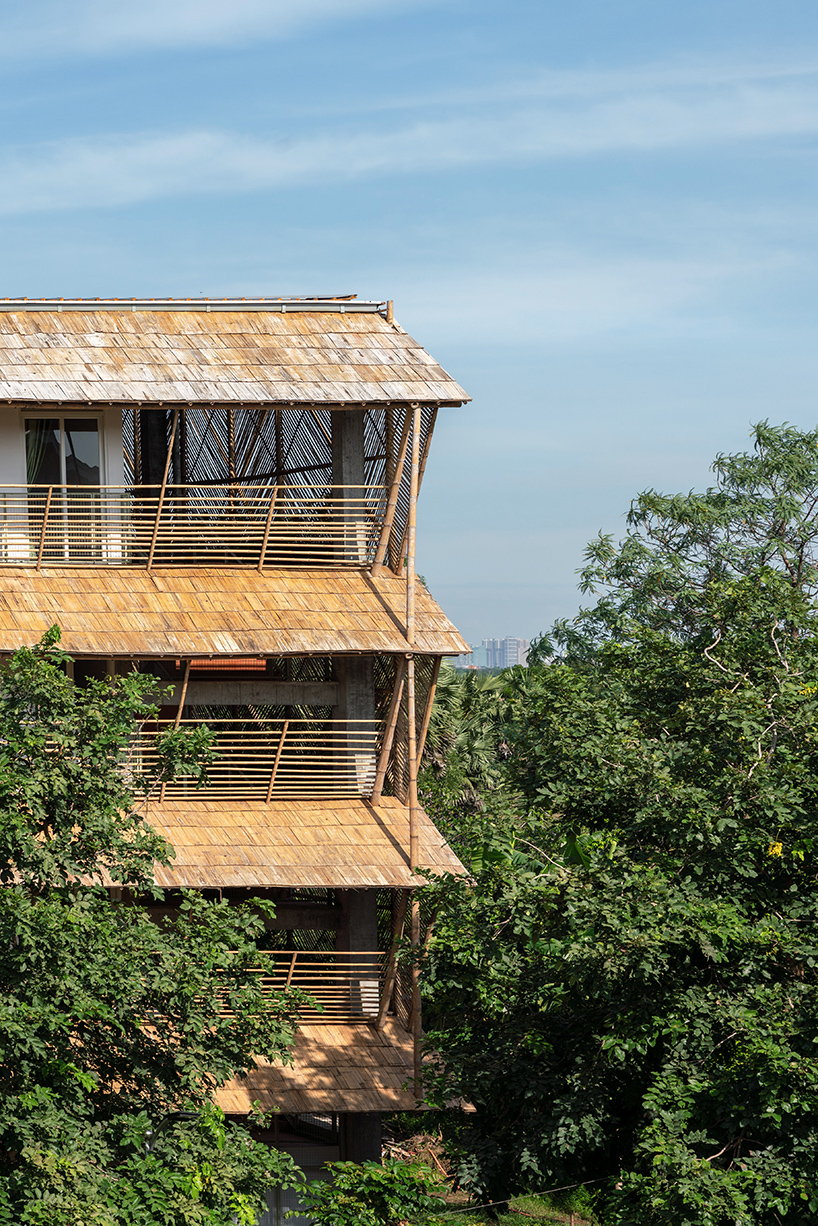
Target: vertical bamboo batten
231,447
267,528
413,863
430,702
45,522
411,527
416,1029
392,503
168,459
389,731
397,562
392,964
277,761
411,720
177,721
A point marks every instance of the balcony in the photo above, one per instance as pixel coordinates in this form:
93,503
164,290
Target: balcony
346,987
190,525
273,759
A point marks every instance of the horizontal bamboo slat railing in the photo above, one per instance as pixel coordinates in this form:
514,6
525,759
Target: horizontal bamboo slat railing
190,525
347,986
269,759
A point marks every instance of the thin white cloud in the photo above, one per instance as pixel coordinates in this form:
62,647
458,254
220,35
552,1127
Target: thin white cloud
117,170
562,296
98,27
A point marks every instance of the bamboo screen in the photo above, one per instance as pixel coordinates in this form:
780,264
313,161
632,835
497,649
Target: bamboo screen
397,774
278,446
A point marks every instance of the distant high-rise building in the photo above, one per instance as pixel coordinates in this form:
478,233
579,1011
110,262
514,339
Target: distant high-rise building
495,653
505,653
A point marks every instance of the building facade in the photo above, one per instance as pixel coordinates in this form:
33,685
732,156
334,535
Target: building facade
222,494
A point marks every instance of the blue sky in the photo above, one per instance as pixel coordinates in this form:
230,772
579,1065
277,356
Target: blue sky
599,216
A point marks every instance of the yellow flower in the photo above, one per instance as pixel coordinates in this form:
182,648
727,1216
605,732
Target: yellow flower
775,849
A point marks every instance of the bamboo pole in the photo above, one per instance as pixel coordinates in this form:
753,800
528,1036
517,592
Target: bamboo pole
411,715
430,702
45,521
163,488
392,964
411,528
416,1023
177,721
231,447
321,426
279,443
411,719
396,565
392,503
277,760
267,527
389,731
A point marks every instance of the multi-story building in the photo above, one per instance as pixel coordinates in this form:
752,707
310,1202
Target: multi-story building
505,653
495,653
222,493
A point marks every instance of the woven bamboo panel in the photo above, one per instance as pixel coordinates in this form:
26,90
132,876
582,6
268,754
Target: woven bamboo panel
344,843
233,357
335,1068
128,612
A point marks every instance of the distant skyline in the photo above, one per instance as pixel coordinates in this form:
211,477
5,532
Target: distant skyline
599,217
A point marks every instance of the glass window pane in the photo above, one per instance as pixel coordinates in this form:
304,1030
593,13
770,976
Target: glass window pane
81,451
43,451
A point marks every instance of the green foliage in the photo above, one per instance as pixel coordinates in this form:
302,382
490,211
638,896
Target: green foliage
196,1170
108,1021
66,812
639,996
371,1194
462,768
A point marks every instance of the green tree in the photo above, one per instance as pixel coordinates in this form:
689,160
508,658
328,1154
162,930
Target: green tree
632,997
114,1031
462,772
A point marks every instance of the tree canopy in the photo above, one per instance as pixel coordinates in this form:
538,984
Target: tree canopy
114,1030
628,996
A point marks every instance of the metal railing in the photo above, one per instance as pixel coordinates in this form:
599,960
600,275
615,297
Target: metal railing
346,986
230,524
272,759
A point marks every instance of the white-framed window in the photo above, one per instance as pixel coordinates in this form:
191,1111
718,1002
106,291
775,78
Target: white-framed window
63,450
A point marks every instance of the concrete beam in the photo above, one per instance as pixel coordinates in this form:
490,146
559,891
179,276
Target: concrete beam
261,693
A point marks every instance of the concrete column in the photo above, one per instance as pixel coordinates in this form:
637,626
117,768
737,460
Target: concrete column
359,920
358,933
348,470
356,706
347,446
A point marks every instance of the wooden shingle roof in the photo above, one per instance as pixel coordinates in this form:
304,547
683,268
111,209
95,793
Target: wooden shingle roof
114,611
337,844
236,356
351,1067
